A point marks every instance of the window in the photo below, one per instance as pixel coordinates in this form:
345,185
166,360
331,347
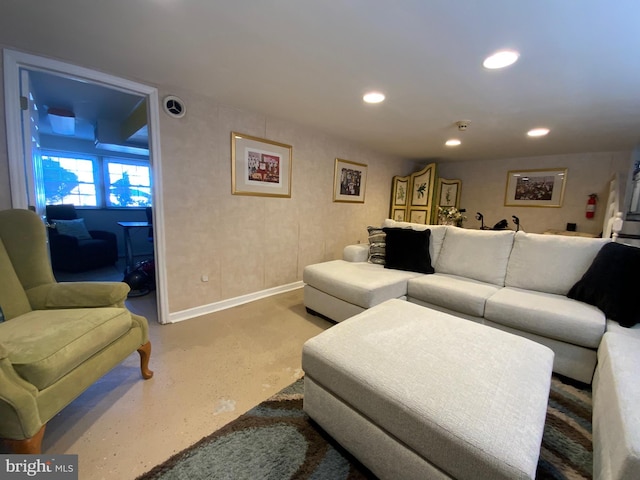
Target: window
69,180
94,181
129,184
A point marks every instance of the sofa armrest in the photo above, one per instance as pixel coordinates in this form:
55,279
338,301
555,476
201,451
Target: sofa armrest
356,253
78,295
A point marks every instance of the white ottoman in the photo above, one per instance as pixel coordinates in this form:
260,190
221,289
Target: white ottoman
416,393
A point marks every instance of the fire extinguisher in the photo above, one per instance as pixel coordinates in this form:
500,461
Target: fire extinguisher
591,205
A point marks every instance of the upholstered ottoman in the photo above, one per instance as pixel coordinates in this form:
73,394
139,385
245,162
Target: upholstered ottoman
416,393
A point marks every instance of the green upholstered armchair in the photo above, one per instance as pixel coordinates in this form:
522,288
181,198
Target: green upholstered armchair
56,339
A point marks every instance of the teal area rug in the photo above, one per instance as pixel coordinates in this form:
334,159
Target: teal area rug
277,440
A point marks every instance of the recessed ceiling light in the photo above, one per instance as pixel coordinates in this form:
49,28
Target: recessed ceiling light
373,97
454,142
501,59
538,132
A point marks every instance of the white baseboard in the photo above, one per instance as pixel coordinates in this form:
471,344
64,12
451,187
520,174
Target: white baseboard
231,302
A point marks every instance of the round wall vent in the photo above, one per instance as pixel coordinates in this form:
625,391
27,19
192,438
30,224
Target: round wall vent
173,106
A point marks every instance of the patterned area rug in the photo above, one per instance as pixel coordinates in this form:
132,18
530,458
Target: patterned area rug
277,440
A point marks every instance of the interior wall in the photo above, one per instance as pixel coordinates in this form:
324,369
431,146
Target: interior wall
245,244
484,184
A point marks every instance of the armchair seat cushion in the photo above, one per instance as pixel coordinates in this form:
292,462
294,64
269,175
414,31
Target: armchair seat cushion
45,345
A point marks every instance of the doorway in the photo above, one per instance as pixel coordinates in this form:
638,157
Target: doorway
24,187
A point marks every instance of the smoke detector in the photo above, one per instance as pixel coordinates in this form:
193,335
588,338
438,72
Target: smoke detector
463,125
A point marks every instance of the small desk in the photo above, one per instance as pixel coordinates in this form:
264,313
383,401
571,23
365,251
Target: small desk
127,226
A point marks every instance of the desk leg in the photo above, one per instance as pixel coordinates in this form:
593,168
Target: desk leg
128,250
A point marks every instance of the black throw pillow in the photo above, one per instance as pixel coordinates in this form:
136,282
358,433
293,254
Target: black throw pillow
610,283
408,249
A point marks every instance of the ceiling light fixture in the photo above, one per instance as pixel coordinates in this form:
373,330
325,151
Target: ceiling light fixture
538,132
501,59
454,142
373,97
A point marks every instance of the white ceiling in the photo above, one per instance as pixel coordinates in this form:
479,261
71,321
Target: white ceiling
310,61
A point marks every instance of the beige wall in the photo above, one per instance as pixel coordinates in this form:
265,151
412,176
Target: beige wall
484,183
246,244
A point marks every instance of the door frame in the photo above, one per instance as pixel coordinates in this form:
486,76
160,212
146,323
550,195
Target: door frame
13,62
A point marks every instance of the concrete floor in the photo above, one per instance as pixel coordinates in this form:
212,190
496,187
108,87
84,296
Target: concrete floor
208,371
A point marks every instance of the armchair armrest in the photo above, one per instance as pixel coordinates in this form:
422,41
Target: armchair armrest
19,416
63,241
78,295
103,235
356,253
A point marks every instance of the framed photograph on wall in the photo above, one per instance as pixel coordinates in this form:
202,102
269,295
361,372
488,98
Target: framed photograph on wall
350,181
260,167
535,188
449,192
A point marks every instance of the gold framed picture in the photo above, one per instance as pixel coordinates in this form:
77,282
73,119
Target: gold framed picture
449,192
260,167
349,182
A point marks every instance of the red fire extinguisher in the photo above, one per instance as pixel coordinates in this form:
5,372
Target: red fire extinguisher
591,205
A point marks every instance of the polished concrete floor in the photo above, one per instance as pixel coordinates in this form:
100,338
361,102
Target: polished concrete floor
208,371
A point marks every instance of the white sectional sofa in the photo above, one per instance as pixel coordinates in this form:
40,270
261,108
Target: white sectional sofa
516,282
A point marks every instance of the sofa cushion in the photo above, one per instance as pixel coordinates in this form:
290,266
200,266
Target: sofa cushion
459,294
13,299
363,284
408,249
547,315
438,233
478,254
610,283
550,263
45,345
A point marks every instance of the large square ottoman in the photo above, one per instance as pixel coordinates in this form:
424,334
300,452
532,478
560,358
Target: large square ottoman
416,393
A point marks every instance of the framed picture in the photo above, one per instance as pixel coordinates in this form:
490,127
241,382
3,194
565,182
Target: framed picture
399,197
349,182
421,188
419,216
400,190
535,188
449,192
260,167
398,214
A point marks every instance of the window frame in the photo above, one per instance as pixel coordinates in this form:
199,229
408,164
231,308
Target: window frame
101,175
